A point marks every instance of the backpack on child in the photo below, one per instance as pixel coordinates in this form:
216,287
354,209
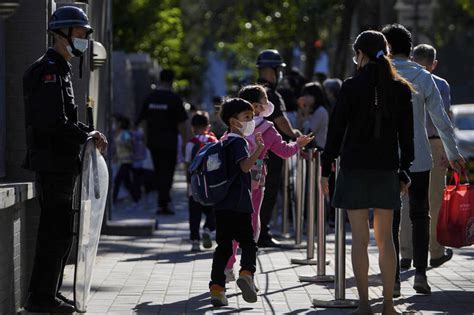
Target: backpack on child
210,179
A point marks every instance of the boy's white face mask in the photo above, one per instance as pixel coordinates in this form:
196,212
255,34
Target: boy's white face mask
247,128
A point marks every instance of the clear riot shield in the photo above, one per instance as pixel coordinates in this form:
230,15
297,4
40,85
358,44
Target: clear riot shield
91,194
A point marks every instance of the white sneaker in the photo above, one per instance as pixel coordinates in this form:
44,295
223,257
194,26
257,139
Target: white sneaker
206,238
229,275
196,246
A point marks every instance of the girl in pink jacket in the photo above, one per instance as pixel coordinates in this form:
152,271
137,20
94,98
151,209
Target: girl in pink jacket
256,95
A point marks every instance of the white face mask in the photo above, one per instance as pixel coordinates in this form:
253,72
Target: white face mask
80,44
268,110
247,128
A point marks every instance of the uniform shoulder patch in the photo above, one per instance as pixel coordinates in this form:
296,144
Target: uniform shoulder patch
49,78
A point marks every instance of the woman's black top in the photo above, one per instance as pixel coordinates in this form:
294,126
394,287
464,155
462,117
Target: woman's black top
371,128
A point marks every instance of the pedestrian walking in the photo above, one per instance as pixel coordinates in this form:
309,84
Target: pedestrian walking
426,99
124,158
54,136
202,136
165,117
372,122
425,55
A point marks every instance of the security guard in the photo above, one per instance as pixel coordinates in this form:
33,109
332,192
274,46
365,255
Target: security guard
165,116
270,64
54,136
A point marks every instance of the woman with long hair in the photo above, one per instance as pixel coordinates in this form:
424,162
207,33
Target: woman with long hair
371,129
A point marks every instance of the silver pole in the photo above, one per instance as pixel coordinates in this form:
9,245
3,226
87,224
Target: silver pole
340,268
321,259
299,199
310,202
286,201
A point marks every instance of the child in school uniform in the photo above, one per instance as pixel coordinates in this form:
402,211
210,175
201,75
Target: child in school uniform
200,127
234,212
256,95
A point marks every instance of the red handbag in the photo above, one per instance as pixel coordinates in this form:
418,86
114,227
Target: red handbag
456,217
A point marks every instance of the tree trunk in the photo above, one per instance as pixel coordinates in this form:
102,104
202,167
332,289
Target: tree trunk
341,55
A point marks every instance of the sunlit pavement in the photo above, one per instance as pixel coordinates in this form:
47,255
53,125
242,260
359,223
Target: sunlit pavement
159,275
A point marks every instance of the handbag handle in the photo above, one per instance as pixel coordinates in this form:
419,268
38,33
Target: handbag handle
457,178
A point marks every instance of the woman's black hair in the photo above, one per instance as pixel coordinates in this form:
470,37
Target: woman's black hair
232,107
375,46
316,90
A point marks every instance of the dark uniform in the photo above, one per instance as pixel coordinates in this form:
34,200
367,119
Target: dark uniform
54,137
163,110
274,164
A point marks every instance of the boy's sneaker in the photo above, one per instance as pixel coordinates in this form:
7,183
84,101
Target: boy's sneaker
206,238
218,297
229,275
247,286
196,246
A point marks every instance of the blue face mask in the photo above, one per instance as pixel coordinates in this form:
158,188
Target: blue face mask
80,45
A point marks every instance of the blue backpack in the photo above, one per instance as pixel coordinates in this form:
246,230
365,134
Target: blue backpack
210,179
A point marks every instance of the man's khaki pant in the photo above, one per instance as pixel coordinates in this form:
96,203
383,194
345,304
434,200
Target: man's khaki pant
436,195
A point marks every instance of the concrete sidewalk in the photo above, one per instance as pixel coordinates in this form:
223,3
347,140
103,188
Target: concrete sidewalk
159,275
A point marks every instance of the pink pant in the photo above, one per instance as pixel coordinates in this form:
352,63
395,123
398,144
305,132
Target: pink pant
257,198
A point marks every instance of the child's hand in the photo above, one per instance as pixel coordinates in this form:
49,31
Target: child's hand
304,140
259,141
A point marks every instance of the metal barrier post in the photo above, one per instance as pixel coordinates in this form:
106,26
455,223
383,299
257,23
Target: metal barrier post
298,215
300,188
340,268
311,174
286,199
321,258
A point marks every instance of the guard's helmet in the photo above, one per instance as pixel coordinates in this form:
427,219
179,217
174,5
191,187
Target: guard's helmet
270,58
68,17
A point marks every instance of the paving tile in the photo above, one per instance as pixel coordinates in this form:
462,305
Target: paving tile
159,275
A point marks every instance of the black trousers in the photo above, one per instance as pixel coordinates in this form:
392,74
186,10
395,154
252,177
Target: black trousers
420,217
195,213
272,186
164,161
231,225
125,175
55,233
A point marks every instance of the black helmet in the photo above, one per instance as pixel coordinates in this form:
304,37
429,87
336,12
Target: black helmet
270,58
68,17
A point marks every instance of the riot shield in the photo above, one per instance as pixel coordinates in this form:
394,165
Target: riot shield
91,194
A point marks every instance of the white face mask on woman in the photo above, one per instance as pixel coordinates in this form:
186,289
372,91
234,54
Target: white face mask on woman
248,127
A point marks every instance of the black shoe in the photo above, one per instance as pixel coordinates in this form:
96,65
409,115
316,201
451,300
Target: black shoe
421,284
164,211
439,261
405,263
397,289
52,306
65,299
268,243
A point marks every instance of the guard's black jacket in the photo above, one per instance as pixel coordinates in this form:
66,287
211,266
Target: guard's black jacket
53,133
